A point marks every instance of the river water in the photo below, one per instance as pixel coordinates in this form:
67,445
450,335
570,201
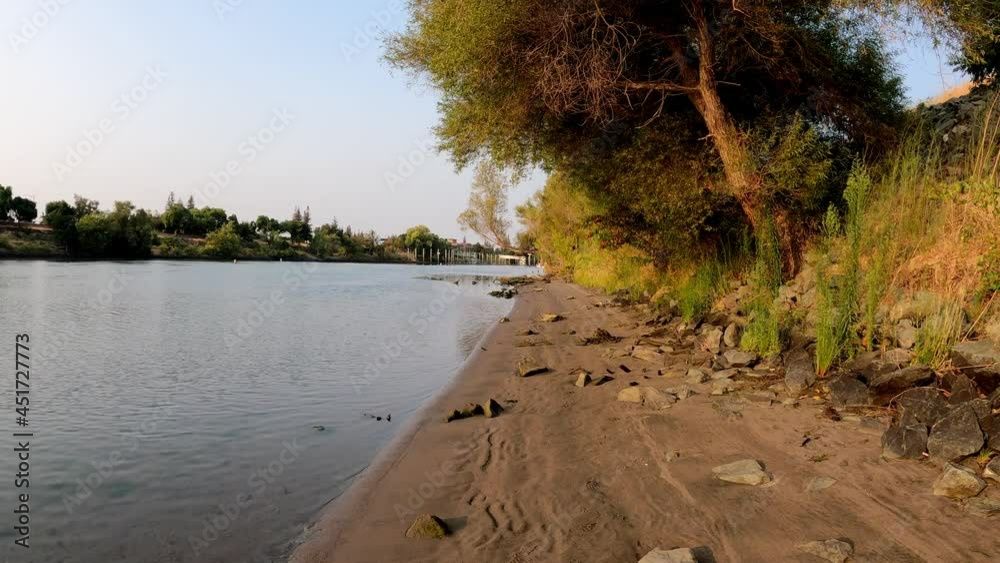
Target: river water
189,411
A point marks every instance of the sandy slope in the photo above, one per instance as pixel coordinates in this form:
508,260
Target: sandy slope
569,474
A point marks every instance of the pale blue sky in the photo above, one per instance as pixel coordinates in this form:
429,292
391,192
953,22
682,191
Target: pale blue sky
220,80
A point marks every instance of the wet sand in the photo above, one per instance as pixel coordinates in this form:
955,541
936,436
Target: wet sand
571,474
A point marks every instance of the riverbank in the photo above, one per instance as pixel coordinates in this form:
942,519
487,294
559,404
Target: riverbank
573,474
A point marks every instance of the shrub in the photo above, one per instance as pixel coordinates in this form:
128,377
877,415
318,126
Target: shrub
224,242
764,334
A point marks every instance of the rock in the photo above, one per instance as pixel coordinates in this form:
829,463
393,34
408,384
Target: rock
427,526
990,424
725,374
453,415
731,338
696,376
992,470
799,372
898,357
529,367
504,320
981,360
648,353
981,407
820,484
468,411
744,472
683,555
958,482
906,334
550,318
925,404
956,435
916,307
739,358
962,390
682,392
582,378
492,409
711,340
982,507
672,455
847,391
835,551
646,396
722,386
887,385
906,439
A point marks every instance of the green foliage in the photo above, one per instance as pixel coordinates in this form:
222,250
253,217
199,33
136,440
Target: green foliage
224,242
764,332
6,196
938,335
23,210
94,233
61,216
176,247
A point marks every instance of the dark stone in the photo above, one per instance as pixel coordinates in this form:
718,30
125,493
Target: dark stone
981,406
887,385
956,435
847,391
925,404
962,390
990,424
994,399
871,364
799,372
981,360
905,439
492,408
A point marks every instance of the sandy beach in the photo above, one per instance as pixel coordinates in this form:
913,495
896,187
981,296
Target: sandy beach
572,474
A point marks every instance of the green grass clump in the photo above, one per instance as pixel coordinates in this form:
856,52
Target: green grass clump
938,335
696,296
763,334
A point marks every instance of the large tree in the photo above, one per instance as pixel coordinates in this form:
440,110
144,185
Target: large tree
487,212
525,80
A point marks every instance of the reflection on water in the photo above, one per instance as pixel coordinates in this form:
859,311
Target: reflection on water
204,412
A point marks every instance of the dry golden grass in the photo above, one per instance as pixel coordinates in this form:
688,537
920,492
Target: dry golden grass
951,93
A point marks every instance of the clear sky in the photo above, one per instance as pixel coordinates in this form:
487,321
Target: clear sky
290,96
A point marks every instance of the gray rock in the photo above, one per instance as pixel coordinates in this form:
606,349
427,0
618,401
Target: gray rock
992,470
958,482
990,424
888,385
682,555
962,390
744,472
981,407
646,396
982,507
906,439
981,358
906,334
427,526
835,551
528,367
739,358
956,435
582,378
726,374
820,483
711,340
926,404
731,338
847,391
799,372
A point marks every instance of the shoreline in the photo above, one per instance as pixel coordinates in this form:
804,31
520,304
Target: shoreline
572,474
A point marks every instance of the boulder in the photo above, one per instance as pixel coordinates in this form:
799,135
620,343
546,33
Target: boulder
958,482
681,555
529,367
648,353
646,396
906,334
887,385
492,409
962,390
835,551
981,407
982,507
848,391
981,358
427,526
711,340
799,372
738,358
582,378
992,470
926,404
956,435
990,424
906,439
744,472
731,337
